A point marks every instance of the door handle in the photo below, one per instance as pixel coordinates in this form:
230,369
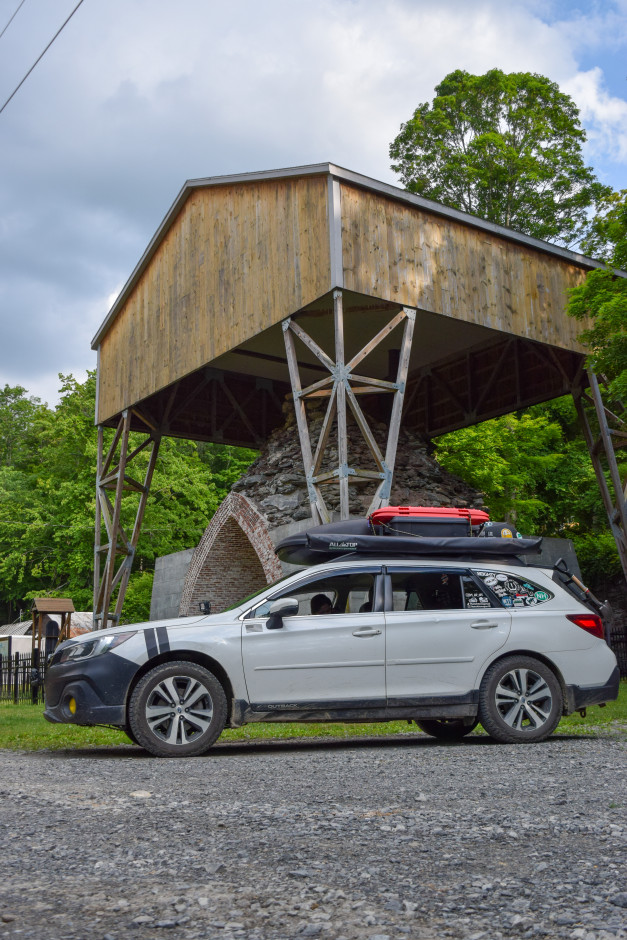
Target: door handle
483,625
367,632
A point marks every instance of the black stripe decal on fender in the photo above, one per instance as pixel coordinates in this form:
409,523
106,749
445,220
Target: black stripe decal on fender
151,642
162,637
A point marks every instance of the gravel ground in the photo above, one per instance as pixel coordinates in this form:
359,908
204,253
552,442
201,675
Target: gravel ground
379,838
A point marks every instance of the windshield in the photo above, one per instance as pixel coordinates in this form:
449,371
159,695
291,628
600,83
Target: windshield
244,600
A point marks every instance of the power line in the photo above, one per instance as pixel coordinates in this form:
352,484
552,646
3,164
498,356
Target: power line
61,28
12,18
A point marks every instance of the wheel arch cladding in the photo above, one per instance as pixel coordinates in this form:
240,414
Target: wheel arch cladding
541,658
192,656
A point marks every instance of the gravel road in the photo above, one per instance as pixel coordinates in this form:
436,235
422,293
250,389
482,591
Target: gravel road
395,837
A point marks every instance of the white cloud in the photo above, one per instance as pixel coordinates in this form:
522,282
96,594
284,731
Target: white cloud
603,114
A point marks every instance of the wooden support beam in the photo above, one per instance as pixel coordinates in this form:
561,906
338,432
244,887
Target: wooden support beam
374,342
324,433
98,547
311,389
319,511
342,393
360,418
382,495
340,404
311,345
113,575
602,450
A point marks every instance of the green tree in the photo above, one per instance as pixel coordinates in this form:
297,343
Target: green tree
603,295
523,465
506,147
18,416
47,503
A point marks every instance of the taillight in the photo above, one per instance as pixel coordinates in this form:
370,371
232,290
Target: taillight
591,623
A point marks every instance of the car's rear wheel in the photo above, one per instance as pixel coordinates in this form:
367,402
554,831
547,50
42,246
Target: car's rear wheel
520,700
452,729
177,709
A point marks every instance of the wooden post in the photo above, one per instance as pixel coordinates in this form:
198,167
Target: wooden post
340,386
382,496
612,434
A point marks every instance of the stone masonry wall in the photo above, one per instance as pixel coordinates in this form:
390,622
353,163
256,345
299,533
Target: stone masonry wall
275,482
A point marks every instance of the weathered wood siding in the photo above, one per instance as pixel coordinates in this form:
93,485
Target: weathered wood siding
236,260
404,254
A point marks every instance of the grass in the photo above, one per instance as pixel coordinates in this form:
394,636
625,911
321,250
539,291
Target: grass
23,727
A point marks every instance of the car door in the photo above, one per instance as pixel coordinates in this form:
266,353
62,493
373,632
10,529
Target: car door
334,659
441,625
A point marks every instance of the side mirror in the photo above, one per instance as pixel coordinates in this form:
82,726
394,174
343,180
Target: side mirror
284,607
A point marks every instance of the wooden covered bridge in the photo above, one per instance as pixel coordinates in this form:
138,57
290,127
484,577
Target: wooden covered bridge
318,283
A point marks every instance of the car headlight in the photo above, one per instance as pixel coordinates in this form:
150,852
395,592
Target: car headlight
88,648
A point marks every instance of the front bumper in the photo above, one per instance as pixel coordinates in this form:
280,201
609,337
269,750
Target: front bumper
582,696
98,686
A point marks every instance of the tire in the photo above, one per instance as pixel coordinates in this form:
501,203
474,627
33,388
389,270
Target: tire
178,709
520,700
452,730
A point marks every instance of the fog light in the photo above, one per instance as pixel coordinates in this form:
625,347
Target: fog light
72,706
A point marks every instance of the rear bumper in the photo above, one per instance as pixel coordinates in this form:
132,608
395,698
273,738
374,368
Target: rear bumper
583,696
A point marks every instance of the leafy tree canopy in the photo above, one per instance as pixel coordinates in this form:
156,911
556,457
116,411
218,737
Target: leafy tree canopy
506,147
47,500
535,472
603,295
18,416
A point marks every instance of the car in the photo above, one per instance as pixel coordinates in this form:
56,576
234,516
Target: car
447,641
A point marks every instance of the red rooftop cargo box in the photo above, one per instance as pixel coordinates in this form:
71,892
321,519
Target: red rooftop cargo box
431,521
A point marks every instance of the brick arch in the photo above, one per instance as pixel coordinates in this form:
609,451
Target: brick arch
234,557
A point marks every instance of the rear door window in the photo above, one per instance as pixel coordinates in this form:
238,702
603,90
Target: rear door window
436,590
513,591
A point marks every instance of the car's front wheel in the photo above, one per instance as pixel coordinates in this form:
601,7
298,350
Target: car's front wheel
177,709
520,700
452,729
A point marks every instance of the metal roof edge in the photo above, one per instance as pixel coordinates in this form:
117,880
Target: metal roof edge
349,176
466,218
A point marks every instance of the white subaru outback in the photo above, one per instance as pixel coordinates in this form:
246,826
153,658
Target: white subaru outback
447,642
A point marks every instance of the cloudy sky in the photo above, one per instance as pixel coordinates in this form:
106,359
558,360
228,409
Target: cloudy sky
136,96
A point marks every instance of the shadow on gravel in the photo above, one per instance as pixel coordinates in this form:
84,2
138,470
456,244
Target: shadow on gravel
303,745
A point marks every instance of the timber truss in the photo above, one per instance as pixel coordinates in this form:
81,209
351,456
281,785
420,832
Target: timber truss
605,430
114,548
486,381
342,386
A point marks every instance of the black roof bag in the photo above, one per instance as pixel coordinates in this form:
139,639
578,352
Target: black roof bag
355,537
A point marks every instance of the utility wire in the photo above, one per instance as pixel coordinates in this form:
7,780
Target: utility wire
61,28
12,18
